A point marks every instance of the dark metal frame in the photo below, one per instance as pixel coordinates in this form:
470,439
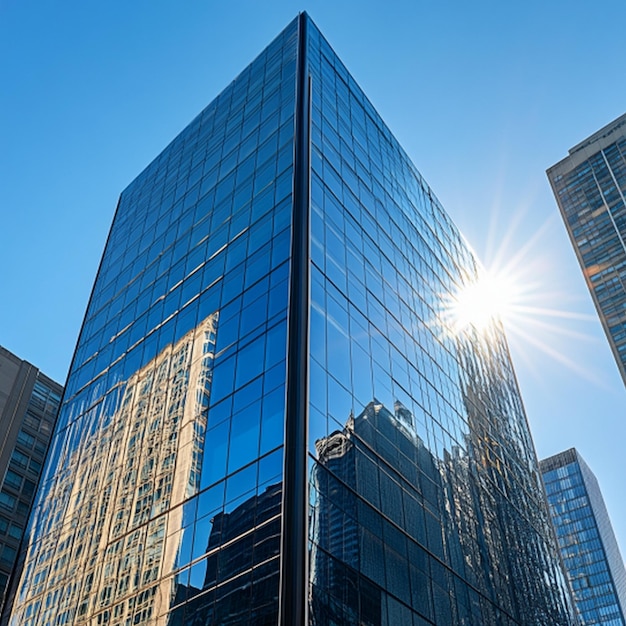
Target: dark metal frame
294,552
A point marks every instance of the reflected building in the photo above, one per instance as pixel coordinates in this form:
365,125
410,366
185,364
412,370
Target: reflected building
352,547
284,250
111,513
29,402
590,188
591,556
432,511
247,535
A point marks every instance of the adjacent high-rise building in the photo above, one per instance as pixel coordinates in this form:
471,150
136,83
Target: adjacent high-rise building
271,416
590,189
590,553
29,402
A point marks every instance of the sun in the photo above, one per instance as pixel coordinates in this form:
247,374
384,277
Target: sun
490,297
521,290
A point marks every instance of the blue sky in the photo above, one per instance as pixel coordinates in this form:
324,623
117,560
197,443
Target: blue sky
484,96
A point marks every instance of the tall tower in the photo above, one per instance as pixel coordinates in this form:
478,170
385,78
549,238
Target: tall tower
590,188
279,269
29,402
588,546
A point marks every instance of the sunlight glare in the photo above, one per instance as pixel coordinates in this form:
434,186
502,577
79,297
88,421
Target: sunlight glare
491,297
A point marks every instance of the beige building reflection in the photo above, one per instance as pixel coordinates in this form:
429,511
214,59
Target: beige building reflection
112,524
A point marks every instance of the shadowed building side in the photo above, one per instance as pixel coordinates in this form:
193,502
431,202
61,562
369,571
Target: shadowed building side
29,403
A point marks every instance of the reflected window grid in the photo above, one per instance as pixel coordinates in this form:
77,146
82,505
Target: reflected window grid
418,439
200,239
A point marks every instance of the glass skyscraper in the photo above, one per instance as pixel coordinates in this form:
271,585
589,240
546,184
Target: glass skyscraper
590,188
590,553
270,415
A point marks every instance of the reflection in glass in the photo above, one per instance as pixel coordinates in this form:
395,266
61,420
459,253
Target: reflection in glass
240,570
167,426
110,515
426,505
394,526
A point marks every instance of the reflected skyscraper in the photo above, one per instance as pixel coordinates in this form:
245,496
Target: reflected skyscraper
273,289
347,533
111,503
249,534
590,553
590,188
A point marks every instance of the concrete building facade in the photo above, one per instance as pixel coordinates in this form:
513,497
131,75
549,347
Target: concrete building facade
29,402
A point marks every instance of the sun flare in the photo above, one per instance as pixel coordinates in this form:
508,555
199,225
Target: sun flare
517,290
490,297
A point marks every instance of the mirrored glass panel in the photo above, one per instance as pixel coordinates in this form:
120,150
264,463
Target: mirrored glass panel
161,501
425,498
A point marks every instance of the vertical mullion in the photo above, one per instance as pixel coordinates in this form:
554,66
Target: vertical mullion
294,557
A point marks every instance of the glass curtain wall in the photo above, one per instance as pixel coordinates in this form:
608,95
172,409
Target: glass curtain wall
588,546
161,502
425,497
590,188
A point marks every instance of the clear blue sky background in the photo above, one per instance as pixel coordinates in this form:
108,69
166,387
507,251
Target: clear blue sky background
483,95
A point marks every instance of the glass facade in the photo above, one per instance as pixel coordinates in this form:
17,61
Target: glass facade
269,418
426,506
172,420
590,189
588,547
